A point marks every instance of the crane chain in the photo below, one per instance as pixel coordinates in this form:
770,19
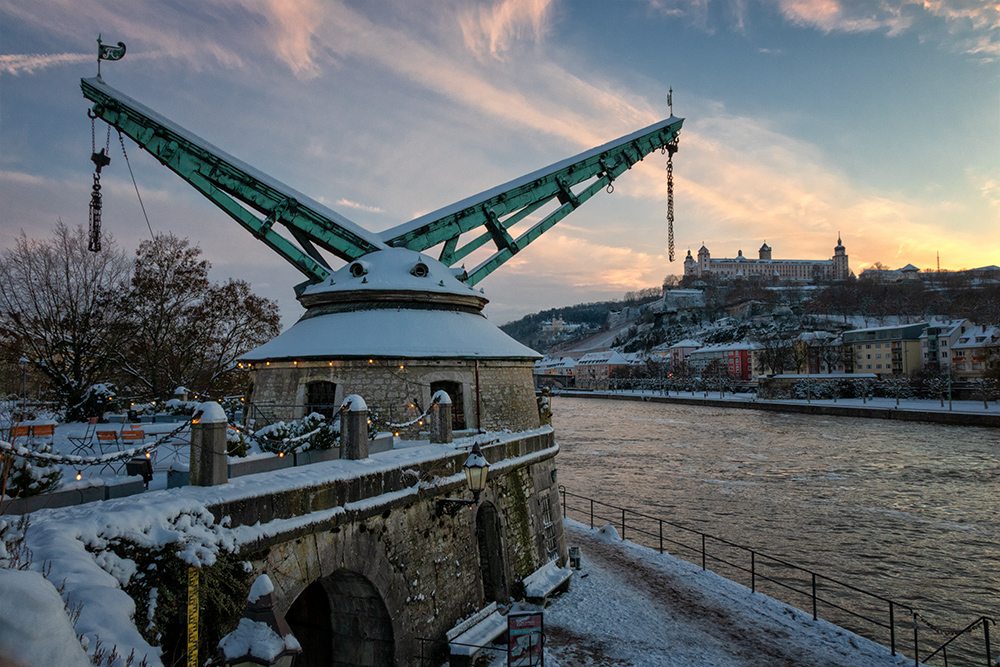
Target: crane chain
671,149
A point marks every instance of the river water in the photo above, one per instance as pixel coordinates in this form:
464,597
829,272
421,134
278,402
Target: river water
906,510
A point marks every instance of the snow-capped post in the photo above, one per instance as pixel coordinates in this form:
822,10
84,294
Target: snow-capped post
354,428
209,458
440,417
263,636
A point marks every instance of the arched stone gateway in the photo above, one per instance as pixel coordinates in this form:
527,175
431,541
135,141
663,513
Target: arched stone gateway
342,621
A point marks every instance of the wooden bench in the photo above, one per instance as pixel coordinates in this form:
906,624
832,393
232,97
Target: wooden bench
471,635
545,581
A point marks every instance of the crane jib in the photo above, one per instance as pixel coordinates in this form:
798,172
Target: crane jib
265,206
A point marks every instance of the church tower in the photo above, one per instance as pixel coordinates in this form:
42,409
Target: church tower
690,267
765,251
841,269
704,261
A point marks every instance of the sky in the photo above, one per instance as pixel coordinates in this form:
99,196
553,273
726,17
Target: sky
804,119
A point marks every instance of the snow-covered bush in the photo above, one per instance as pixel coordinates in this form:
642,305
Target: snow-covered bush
236,443
311,432
98,399
25,477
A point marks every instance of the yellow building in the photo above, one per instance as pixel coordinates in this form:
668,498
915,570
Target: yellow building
886,351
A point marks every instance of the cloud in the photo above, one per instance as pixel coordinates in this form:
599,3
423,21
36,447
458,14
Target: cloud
360,207
492,29
29,63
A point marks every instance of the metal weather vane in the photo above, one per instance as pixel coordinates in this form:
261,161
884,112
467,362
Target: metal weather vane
108,52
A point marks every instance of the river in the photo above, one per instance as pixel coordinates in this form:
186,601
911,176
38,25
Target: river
905,510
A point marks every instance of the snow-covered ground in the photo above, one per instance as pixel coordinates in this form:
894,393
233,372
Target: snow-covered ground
630,606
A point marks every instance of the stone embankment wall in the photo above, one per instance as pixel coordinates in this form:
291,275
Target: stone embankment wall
399,390
417,557
939,417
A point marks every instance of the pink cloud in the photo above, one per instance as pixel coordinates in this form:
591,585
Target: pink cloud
493,29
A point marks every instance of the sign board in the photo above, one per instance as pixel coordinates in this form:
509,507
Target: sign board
524,639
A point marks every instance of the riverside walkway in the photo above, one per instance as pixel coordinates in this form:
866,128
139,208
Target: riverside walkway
961,413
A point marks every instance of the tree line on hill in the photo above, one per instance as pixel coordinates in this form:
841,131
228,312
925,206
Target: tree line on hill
147,322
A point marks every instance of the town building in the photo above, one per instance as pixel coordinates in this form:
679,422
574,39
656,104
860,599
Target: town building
938,340
972,351
594,369
823,352
735,356
886,351
767,268
679,352
555,373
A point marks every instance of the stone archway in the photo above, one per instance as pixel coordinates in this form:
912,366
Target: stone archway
309,619
491,564
344,623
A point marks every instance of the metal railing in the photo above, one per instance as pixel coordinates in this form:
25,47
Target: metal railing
801,583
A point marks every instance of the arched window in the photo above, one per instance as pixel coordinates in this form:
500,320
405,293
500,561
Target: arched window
454,390
321,397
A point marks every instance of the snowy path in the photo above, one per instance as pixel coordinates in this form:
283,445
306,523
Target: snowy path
632,607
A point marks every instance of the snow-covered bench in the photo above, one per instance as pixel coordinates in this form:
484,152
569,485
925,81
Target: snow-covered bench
472,634
545,581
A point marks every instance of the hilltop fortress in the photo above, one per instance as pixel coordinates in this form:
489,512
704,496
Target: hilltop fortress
792,270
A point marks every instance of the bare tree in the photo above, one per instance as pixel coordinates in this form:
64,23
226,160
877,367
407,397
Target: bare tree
61,307
186,330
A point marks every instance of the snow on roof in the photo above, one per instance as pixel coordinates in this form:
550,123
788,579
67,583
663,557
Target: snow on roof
687,342
976,337
605,357
562,362
394,269
407,334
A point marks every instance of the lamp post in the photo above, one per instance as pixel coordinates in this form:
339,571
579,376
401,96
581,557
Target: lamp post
262,636
476,469
23,363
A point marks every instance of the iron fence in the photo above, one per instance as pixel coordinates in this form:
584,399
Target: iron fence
806,589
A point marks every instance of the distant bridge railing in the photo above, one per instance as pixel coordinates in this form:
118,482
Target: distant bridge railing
724,557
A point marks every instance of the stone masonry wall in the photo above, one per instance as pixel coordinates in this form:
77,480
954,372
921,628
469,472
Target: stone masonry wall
421,558
400,390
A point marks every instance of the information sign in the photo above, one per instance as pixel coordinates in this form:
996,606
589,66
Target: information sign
524,639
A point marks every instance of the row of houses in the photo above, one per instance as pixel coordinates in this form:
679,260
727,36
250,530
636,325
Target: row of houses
889,351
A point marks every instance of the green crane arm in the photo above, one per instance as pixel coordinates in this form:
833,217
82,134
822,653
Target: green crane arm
236,187
239,190
497,210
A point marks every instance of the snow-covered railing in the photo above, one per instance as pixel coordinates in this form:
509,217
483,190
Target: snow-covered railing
786,576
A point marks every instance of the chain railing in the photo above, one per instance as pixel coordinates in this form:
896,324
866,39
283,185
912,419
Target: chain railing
800,583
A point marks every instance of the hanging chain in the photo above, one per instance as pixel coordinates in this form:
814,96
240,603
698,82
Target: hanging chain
671,148
100,161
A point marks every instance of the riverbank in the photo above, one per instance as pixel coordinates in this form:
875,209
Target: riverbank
959,413
630,606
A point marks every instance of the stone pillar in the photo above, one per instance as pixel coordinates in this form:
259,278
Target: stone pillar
209,460
354,428
440,417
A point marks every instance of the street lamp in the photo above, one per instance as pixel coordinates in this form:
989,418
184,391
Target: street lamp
262,636
476,469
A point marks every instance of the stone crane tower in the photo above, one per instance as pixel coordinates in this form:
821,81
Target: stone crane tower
395,320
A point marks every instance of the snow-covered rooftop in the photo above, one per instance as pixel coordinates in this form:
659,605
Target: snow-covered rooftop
394,270
409,334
